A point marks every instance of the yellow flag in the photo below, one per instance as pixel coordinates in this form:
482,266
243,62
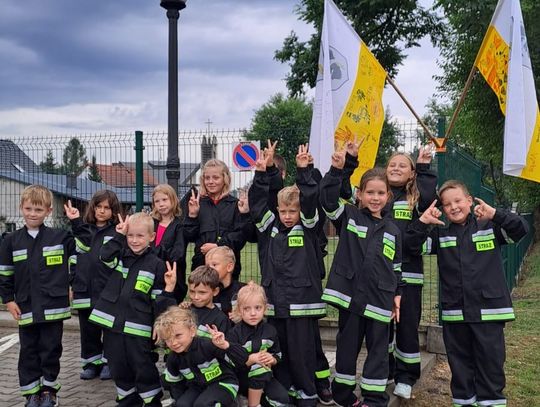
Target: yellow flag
505,64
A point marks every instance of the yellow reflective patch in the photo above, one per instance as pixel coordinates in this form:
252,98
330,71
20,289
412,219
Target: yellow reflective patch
296,241
389,252
142,286
483,246
54,260
212,374
404,214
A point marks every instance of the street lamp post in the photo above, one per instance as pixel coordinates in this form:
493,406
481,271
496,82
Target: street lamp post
173,8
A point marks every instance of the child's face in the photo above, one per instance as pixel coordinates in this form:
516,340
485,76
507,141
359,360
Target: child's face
399,171
220,264
181,338
252,310
202,295
214,180
374,196
289,214
139,237
456,205
163,204
34,215
102,213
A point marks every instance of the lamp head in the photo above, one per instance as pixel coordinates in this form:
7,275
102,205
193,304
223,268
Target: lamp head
173,4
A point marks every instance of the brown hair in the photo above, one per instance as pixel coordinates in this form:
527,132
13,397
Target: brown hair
97,198
413,194
204,275
376,173
37,195
280,163
251,289
289,195
214,162
166,189
173,316
453,184
224,251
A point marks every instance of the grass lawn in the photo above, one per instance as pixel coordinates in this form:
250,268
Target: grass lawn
523,337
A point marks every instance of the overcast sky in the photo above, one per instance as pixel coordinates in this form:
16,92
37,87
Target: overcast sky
70,67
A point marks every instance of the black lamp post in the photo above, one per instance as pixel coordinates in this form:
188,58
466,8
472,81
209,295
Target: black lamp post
173,8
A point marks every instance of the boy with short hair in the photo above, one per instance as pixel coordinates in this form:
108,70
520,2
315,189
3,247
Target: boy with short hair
222,260
126,309
34,285
475,299
290,272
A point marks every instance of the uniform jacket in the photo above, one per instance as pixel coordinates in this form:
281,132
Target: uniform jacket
366,271
201,365
34,272
220,223
290,267
126,304
245,339
426,181
226,298
473,286
172,248
210,316
88,273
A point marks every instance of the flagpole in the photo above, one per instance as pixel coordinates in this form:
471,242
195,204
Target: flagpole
472,74
433,139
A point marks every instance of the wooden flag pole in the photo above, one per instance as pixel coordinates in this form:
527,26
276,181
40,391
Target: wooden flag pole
433,139
472,75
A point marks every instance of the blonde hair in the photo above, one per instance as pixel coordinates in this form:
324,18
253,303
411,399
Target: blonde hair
173,316
413,194
224,251
213,163
142,218
289,195
454,184
166,189
37,195
251,289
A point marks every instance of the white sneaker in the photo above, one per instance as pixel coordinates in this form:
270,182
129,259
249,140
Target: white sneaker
403,390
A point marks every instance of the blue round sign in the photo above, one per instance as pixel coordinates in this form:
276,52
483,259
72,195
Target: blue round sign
245,155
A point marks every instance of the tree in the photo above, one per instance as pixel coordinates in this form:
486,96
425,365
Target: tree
93,171
74,158
480,124
287,120
49,165
386,27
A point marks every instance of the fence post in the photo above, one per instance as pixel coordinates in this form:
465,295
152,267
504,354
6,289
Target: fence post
441,177
139,181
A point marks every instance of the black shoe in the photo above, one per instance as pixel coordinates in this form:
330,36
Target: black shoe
48,399
33,401
105,373
325,396
89,373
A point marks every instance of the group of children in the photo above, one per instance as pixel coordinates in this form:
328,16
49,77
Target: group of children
126,276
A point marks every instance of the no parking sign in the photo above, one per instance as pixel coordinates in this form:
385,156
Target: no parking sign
245,155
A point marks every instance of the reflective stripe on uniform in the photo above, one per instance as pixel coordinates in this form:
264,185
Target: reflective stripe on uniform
377,313
317,309
358,230
267,219
310,223
337,213
378,385
497,314
138,329
409,358
349,380
335,297
101,318
57,313
413,278
452,315
81,303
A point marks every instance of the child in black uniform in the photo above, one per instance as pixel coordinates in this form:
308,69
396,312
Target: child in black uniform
413,189
364,282
291,274
222,260
34,285
197,372
253,346
475,299
88,278
126,309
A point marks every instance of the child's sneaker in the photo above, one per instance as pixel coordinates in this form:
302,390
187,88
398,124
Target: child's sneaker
89,373
48,399
105,373
33,401
403,390
325,396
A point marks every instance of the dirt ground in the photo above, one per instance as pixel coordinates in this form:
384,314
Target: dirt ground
434,389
